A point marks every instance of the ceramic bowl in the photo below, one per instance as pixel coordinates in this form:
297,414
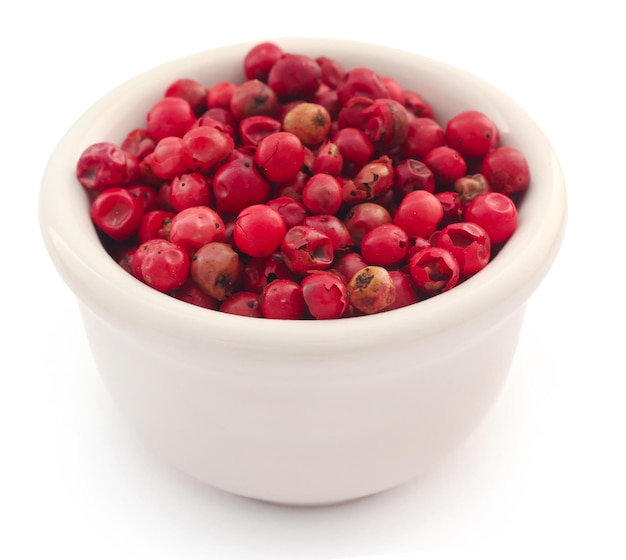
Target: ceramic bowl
304,412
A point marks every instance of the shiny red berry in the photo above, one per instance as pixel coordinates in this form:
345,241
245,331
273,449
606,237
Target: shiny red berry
496,213
361,82
168,159
169,116
385,245
406,294
506,169
189,292
280,156
472,134
188,190
423,135
434,270
155,225
205,148
447,165
322,194
412,175
246,304
104,164
355,147
325,295
282,299
253,129
469,244
192,91
196,226
419,214
117,213
333,227
259,230
295,76
305,249
164,266
259,60
292,210
238,184
220,94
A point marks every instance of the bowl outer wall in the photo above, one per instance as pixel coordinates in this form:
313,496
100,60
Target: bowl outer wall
484,299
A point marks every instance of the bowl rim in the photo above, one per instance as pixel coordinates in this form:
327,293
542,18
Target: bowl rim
506,283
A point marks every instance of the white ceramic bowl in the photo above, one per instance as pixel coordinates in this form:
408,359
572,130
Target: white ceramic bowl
305,412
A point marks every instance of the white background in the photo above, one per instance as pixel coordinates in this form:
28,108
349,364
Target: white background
543,473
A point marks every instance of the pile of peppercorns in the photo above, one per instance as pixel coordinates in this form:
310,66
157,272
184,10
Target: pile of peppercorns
307,191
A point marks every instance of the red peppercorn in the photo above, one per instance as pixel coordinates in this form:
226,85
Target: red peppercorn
325,295
192,91
188,190
305,249
253,129
332,71
322,194
139,143
220,94
355,147
333,227
103,165
292,211
259,230
472,134
295,76
164,265
423,135
406,293
167,160
189,292
506,170
246,304
259,60
205,148
446,164
411,175
155,225
279,156
385,245
419,214
144,194
328,160
361,82
282,299
371,181
434,270
117,213
169,116
196,226
469,244
496,213
238,184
